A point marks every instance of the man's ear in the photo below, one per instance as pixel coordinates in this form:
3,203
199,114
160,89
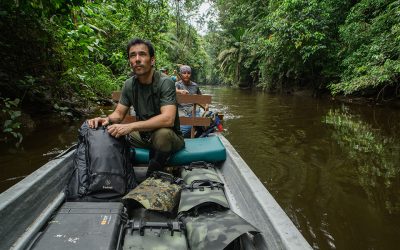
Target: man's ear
153,61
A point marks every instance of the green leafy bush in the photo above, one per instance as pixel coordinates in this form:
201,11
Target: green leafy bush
371,38
11,125
91,81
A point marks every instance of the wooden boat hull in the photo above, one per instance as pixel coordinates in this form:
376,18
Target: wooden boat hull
26,207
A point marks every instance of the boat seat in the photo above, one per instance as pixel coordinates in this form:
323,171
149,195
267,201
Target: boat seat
200,100
209,149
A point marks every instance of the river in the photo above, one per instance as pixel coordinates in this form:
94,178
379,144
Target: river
333,167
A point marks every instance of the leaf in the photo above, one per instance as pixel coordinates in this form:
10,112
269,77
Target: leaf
97,29
7,123
81,77
16,125
15,114
15,102
14,134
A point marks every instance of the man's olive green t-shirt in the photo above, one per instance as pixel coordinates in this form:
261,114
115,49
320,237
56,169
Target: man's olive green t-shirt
150,97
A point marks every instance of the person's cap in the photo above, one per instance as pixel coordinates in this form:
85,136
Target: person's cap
185,69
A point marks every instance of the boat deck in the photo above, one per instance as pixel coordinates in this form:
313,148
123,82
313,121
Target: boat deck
26,207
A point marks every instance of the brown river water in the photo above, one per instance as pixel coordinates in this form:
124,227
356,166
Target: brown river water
333,167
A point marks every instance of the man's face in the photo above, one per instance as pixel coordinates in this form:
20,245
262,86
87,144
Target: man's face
186,76
140,59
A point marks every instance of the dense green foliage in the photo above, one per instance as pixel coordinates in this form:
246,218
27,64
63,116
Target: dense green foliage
370,47
349,47
62,56
79,46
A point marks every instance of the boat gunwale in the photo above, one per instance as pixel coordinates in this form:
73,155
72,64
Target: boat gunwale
20,208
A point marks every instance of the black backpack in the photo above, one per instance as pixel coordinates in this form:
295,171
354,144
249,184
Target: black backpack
102,166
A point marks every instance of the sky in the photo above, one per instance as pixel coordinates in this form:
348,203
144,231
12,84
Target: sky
201,28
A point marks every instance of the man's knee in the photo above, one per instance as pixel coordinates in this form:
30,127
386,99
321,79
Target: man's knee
164,133
163,139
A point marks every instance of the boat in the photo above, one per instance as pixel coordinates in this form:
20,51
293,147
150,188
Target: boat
27,207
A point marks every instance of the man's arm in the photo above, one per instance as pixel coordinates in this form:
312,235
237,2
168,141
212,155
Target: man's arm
119,114
115,117
164,120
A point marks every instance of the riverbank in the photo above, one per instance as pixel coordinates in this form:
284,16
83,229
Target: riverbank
349,99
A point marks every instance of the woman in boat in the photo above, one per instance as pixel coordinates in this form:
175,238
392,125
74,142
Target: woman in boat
187,87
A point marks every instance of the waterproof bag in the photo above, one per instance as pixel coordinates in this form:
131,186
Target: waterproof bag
160,192
199,171
215,230
202,193
155,235
102,168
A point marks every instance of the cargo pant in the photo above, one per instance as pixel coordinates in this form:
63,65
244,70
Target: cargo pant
163,139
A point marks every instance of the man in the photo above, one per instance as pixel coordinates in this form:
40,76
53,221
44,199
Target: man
154,100
175,77
164,71
185,86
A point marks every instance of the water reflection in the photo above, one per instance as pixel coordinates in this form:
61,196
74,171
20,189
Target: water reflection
51,137
376,157
331,167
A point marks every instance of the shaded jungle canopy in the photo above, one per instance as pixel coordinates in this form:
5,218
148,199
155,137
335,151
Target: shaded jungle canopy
344,47
66,56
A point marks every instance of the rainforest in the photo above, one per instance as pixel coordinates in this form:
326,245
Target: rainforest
66,57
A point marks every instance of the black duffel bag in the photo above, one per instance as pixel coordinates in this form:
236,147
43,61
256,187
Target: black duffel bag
102,166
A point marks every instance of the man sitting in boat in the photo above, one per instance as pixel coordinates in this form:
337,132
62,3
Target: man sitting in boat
154,100
175,76
185,86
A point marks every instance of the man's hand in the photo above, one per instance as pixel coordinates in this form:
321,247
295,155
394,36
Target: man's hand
118,130
98,121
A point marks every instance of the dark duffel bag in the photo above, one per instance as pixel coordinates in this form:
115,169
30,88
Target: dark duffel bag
102,166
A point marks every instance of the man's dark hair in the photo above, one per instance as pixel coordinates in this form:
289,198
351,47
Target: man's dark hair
140,41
